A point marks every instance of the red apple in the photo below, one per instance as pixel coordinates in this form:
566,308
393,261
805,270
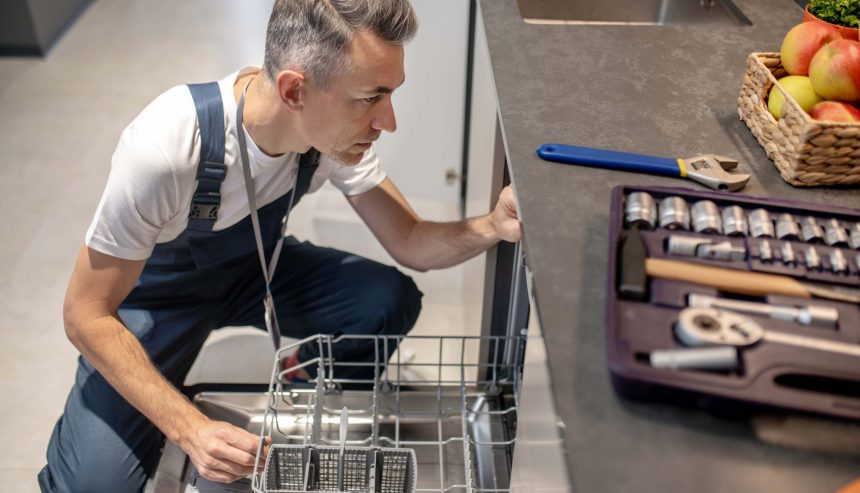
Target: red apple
835,112
835,71
802,43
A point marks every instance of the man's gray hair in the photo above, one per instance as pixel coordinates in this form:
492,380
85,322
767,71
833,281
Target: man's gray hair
313,36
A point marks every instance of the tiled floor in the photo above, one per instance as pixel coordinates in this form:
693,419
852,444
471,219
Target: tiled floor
59,121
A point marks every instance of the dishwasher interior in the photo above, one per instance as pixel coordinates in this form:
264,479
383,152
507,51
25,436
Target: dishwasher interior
454,405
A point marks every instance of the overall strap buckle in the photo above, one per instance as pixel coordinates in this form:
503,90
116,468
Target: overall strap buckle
211,169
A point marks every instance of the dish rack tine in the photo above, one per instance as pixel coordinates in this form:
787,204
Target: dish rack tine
311,470
372,483
341,461
318,410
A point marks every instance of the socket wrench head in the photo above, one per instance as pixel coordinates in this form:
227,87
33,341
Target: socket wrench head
855,236
838,262
640,211
834,233
765,251
810,231
760,224
706,217
674,213
813,260
685,246
734,221
788,257
786,227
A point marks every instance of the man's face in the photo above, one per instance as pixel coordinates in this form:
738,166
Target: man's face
342,120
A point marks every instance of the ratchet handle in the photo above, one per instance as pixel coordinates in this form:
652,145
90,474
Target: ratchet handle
599,158
730,280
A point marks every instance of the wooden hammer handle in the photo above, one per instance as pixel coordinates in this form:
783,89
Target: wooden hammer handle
730,280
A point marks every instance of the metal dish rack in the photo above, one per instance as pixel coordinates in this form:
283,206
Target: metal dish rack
443,421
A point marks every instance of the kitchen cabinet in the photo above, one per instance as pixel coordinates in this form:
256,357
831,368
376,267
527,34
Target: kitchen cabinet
31,27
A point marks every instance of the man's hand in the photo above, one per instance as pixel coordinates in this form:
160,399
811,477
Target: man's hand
505,217
424,245
222,452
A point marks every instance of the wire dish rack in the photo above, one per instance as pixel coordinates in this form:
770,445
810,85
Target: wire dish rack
439,415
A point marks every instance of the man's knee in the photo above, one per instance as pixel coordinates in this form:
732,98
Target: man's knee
396,297
91,475
100,444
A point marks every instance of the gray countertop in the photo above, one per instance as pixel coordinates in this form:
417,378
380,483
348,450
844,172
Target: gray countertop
664,90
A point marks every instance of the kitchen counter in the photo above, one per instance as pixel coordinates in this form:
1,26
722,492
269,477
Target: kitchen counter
664,90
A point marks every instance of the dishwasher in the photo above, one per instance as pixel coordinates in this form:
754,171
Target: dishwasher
447,403
438,418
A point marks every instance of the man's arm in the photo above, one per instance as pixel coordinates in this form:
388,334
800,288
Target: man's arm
425,245
98,285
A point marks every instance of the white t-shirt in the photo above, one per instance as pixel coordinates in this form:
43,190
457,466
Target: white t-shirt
153,175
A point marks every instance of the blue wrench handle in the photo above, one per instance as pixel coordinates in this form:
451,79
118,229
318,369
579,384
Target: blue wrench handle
599,158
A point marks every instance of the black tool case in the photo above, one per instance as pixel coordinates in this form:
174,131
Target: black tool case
769,376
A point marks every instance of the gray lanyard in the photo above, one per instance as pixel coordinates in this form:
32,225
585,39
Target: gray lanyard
271,317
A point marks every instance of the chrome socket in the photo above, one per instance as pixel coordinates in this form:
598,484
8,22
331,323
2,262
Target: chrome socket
813,260
688,246
786,227
706,217
855,237
674,213
810,231
838,262
788,256
760,224
834,233
640,210
734,221
765,252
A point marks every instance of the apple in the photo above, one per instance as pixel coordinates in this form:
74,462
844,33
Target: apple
834,111
802,42
835,70
798,87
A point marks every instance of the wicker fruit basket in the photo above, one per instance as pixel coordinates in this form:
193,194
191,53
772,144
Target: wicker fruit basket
807,152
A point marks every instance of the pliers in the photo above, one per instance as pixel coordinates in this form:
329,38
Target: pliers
708,169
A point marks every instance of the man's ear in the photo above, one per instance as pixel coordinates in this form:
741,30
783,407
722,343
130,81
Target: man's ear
291,87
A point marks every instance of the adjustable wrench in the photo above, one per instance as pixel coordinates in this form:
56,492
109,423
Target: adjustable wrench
710,170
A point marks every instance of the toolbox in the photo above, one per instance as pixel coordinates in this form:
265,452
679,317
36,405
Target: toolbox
732,303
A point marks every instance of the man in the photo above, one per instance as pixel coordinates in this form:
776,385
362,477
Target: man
172,252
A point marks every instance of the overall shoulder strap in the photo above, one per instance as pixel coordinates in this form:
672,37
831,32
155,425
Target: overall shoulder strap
308,164
211,170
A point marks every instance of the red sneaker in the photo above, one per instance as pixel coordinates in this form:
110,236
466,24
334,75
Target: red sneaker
295,376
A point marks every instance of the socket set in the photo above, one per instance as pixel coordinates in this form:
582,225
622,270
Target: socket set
734,303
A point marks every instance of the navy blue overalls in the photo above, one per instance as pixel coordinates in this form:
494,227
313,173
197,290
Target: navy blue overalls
203,280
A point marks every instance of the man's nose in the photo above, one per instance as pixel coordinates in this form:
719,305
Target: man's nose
385,119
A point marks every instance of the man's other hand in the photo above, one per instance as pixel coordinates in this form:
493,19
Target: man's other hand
505,217
223,452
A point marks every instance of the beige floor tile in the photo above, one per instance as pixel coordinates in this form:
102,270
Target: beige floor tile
20,480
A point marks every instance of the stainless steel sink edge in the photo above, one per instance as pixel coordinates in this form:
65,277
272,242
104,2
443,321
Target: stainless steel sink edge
625,13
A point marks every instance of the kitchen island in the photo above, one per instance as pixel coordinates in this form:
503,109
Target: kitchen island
665,90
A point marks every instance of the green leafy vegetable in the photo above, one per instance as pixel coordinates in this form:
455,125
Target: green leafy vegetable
840,12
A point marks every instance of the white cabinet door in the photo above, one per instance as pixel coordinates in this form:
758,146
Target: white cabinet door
430,110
